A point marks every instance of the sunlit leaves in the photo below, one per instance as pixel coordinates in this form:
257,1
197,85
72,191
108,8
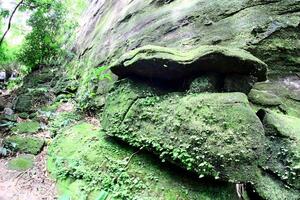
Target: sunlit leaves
42,43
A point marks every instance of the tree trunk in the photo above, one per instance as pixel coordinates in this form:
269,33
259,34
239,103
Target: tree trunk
10,20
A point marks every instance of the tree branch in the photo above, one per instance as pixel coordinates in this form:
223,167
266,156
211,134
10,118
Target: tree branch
10,20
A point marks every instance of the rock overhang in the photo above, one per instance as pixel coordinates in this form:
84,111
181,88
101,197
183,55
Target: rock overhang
155,62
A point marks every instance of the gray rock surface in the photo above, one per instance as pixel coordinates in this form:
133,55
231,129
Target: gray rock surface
269,29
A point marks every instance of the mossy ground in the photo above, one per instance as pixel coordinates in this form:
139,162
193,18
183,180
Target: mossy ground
21,163
86,162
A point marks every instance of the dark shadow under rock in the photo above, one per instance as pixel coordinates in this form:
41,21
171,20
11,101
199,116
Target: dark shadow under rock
154,62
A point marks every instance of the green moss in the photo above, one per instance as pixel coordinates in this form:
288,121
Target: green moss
205,83
279,50
264,98
270,188
85,162
283,125
27,127
24,103
213,134
12,118
31,145
21,163
24,115
61,120
208,133
276,95
283,147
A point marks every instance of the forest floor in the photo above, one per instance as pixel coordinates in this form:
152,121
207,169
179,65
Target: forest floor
32,184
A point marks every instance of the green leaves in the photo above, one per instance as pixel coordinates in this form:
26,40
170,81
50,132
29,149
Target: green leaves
101,73
42,45
4,13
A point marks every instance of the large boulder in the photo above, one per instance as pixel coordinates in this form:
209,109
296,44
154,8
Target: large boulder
284,146
213,134
24,103
209,133
164,63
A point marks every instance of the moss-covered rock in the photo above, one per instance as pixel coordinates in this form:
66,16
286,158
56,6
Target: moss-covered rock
269,187
86,162
264,98
23,103
21,163
210,133
12,118
279,94
30,145
267,29
29,127
36,90
39,77
23,115
66,86
213,134
284,146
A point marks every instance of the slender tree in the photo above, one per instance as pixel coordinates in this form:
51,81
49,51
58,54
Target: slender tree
10,21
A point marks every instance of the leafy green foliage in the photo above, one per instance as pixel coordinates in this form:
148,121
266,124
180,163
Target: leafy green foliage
7,53
101,73
4,13
42,45
3,48
62,120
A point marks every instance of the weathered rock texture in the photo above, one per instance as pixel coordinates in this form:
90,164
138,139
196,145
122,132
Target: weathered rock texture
281,94
212,134
163,63
269,29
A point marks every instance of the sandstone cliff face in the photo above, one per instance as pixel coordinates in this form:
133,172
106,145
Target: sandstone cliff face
267,28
